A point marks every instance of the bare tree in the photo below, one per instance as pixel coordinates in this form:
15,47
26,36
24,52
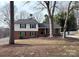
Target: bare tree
67,8
50,14
50,7
67,15
23,14
11,41
38,17
6,14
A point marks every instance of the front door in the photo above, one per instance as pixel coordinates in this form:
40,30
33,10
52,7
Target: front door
41,32
22,35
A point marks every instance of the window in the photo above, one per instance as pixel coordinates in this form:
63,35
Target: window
32,33
22,34
32,25
22,25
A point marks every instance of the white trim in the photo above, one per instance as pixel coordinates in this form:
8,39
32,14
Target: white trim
17,28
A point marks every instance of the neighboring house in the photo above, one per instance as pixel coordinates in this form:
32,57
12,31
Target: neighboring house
29,28
4,32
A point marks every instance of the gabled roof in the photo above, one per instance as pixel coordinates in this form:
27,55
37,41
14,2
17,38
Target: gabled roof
33,21
26,21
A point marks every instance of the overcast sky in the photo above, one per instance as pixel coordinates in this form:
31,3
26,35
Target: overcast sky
28,7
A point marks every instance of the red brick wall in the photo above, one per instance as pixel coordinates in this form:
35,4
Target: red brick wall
38,34
16,35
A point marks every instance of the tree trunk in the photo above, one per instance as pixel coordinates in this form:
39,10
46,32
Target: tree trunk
51,25
65,25
50,28
11,41
52,20
68,32
67,16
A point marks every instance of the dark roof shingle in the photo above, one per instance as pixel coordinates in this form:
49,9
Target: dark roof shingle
33,21
46,25
26,21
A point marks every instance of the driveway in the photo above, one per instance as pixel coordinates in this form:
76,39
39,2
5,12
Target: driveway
4,41
73,36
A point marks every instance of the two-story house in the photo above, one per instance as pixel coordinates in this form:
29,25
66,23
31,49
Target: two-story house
27,28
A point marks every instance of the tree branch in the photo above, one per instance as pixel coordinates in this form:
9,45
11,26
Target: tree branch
54,5
42,4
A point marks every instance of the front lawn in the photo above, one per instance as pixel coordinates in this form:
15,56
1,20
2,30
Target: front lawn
42,41
41,47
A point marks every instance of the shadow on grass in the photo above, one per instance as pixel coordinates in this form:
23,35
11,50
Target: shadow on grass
16,45
68,39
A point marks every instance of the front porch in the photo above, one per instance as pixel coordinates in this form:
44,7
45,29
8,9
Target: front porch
44,32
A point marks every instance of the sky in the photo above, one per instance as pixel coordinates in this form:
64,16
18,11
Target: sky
28,8
20,6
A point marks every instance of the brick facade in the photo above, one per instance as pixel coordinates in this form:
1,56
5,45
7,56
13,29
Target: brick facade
27,34
39,33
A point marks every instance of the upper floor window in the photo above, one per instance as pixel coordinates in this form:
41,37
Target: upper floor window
22,25
32,25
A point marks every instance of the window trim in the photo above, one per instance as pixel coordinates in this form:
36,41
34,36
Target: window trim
24,33
23,25
32,33
32,26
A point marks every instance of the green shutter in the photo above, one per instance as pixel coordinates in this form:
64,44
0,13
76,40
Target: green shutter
20,25
22,34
